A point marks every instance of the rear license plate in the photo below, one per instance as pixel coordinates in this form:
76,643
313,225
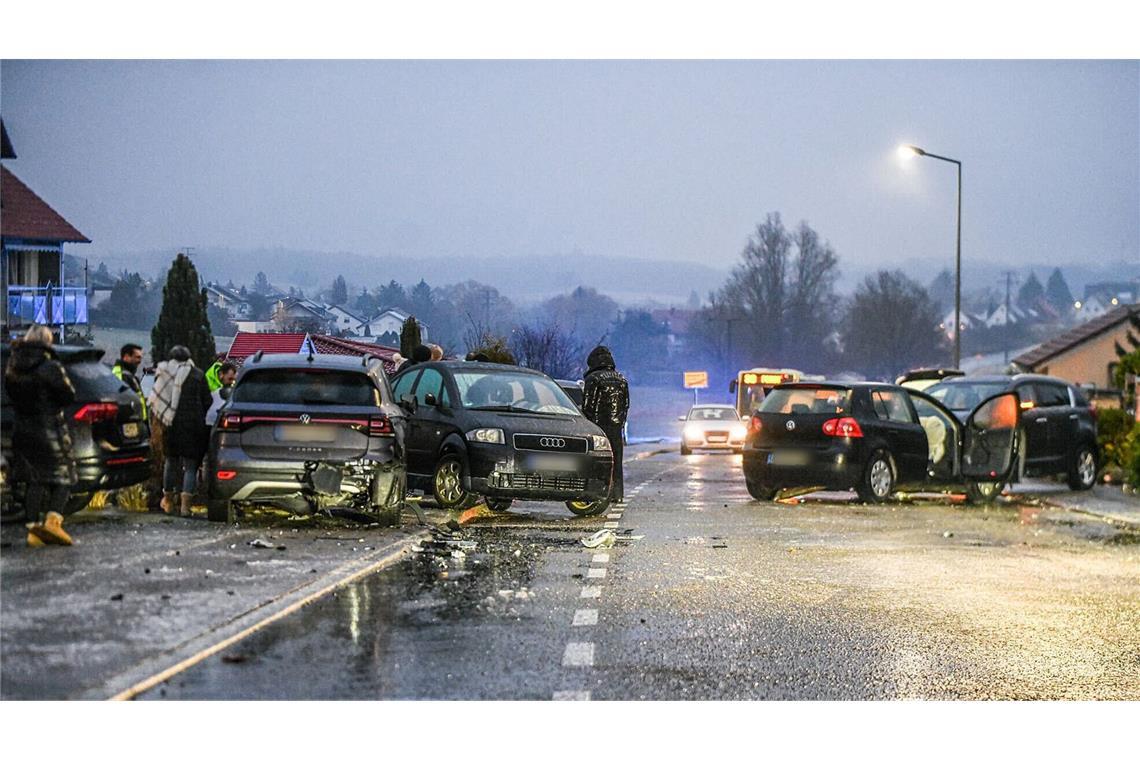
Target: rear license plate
784,458
131,430
306,433
551,463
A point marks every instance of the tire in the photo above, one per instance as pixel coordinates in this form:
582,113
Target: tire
388,495
447,484
877,482
220,510
499,505
761,491
1082,468
983,493
685,450
588,508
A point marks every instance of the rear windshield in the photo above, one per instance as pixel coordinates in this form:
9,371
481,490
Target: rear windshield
964,396
307,387
712,413
807,401
94,380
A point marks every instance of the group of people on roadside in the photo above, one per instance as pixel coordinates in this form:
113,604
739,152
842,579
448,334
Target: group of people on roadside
184,402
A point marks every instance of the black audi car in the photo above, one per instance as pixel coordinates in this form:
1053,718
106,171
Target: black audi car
110,439
305,433
502,432
875,438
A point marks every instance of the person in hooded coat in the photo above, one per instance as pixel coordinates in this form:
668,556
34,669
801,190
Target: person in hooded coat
41,443
605,402
179,400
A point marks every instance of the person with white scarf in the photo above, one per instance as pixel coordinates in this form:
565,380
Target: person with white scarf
179,402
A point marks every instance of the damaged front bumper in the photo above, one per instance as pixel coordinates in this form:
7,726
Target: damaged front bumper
502,472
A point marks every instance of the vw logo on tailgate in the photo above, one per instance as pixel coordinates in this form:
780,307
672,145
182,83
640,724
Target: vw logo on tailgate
305,419
550,442
790,424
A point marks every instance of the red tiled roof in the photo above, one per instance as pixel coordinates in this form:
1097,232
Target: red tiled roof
326,344
247,344
25,215
1063,342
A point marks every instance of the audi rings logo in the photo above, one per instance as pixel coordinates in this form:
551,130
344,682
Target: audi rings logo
552,443
305,419
790,424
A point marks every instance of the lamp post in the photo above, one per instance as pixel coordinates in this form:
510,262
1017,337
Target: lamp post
909,151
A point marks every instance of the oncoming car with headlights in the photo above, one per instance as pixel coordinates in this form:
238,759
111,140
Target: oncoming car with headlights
501,432
712,427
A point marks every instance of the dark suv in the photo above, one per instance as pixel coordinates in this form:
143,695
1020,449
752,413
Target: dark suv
1058,424
110,440
306,433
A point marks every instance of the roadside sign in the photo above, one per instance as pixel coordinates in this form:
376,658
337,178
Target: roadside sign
696,379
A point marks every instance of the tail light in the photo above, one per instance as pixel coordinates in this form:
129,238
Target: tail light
89,414
230,422
843,427
380,426
755,425
226,474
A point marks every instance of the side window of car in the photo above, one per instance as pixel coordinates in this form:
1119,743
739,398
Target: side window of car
430,382
891,405
1026,397
404,384
1049,394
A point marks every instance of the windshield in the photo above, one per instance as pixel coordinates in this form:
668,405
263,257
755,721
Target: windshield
307,387
718,413
506,391
807,401
964,396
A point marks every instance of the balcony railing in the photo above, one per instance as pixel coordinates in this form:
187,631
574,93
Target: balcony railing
46,305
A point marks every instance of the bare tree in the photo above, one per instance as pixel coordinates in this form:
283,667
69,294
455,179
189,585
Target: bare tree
549,349
891,326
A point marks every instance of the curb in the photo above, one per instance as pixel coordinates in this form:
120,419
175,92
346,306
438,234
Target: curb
1125,523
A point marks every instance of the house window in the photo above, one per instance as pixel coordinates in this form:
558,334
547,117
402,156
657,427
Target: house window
1111,375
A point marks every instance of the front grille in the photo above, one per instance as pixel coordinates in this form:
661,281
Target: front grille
533,481
530,442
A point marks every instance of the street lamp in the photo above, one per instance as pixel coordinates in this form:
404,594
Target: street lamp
910,151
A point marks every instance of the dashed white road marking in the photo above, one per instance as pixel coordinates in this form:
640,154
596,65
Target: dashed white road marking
596,572
578,654
591,592
601,557
585,617
611,524
571,696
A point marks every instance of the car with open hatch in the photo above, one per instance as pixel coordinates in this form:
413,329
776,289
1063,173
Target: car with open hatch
1059,425
712,427
309,433
110,437
877,438
501,432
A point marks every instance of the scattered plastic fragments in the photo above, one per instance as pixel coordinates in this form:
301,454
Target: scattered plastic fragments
603,538
260,543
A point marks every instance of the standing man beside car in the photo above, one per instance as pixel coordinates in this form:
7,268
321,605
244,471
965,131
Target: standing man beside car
130,359
605,402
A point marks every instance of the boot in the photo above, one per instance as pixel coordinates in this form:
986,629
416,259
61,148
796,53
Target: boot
51,530
167,502
186,499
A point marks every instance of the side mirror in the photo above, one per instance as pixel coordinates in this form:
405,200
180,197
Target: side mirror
409,403
732,387
681,418
430,399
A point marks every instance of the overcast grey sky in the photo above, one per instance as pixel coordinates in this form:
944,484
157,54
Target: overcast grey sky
663,160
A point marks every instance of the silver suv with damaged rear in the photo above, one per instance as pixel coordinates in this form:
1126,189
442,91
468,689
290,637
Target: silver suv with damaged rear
309,433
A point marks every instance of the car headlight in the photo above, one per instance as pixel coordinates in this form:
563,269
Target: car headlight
692,432
601,443
740,431
486,435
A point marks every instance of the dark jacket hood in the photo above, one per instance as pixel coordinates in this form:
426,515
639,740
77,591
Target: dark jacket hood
26,357
600,358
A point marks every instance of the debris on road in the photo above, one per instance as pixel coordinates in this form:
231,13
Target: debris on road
261,543
603,538
475,513
116,597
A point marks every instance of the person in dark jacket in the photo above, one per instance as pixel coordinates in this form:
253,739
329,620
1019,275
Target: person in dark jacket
179,400
605,402
40,391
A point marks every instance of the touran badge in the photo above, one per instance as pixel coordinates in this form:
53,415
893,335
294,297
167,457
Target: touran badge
552,443
306,419
790,424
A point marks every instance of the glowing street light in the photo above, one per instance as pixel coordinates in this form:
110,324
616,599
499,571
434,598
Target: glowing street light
908,152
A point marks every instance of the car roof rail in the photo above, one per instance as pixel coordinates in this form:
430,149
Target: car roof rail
258,355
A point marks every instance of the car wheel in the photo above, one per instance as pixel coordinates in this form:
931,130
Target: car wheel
220,510
761,491
389,490
878,481
588,508
499,505
983,493
447,484
685,450
1082,470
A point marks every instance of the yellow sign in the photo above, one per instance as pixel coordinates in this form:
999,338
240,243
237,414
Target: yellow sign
696,379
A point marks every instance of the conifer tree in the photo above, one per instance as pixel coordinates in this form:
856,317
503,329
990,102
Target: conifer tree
183,319
409,337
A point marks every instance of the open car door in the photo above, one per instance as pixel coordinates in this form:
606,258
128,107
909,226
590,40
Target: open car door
989,448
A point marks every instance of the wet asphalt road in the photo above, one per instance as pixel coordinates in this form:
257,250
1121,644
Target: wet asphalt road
720,598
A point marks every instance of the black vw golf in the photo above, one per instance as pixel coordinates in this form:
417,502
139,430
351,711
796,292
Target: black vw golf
502,432
876,437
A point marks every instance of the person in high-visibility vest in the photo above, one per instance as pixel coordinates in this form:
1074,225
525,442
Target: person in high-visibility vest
213,374
130,359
